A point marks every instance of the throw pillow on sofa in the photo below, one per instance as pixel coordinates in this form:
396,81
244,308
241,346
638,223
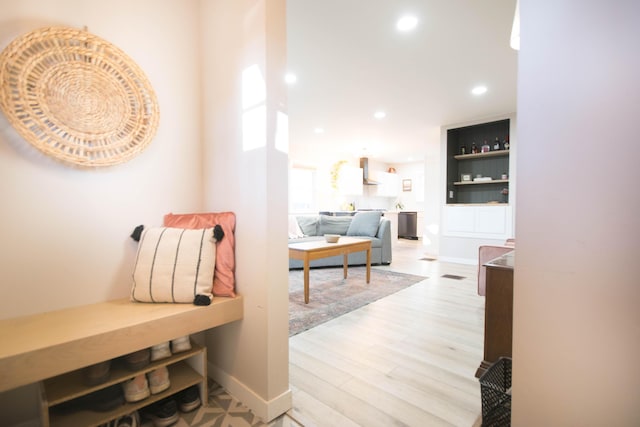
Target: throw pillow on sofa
334,225
365,224
308,225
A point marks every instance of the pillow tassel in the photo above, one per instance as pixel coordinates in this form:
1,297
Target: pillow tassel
218,233
202,300
137,233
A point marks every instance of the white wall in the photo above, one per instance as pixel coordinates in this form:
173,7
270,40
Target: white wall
249,358
65,232
432,195
576,295
412,200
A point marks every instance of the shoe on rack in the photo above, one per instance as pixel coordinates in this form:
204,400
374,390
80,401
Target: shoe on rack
159,380
104,400
189,399
181,344
129,420
96,374
162,413
160,351
138,359
136,388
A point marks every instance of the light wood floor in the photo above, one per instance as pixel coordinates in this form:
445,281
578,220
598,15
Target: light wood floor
406,360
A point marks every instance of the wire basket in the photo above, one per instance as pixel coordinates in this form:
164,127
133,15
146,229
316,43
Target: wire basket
77,97
495,390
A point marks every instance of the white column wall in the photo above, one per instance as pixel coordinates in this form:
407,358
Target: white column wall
432,195
576,338
249,358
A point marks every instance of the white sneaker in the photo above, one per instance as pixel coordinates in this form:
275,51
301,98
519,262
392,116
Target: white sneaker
160,351
181,344
129,420
136,388
159,380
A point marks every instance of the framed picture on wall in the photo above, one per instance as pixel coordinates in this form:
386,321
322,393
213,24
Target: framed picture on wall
406,185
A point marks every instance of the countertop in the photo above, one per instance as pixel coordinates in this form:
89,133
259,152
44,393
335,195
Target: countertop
505,261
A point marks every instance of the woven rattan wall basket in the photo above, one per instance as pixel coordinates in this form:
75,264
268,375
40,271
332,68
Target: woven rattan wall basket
76,97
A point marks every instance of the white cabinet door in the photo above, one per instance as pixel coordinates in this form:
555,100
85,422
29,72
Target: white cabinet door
388,184
350,181
491,222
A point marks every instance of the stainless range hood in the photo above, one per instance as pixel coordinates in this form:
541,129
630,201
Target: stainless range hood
364,165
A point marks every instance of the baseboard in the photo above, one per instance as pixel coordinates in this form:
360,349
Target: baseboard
266,410
469,261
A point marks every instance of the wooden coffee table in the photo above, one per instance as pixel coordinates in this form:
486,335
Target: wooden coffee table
308,251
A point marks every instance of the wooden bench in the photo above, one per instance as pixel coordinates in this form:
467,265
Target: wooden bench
41,346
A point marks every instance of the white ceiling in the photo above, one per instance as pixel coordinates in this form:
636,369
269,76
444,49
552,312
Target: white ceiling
350,62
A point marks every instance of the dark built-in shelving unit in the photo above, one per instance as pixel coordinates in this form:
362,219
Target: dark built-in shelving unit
493,164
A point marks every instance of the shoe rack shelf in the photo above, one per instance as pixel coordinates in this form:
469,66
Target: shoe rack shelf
50,348
186,369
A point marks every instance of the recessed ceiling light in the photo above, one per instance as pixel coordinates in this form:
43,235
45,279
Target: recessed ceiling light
290,78
380,115
406,23
318,130
479,90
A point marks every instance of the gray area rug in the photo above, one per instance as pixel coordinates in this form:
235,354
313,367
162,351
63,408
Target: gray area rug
331,296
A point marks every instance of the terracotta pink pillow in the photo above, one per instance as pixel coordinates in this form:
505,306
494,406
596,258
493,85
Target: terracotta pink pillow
224,278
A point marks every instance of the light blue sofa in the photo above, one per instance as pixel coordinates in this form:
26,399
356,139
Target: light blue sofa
314,227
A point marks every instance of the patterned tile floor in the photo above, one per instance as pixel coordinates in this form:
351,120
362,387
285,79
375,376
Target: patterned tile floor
226,411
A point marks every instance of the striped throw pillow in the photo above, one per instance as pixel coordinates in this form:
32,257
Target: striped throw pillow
174,265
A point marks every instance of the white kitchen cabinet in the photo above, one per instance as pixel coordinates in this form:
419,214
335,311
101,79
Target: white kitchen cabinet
388,184
350,181
478,221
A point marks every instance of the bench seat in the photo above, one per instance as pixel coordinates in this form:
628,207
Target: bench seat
40,346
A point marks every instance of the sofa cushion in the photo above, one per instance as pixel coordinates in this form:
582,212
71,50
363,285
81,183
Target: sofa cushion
364,224
174,265
380,250
308,225
334,225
